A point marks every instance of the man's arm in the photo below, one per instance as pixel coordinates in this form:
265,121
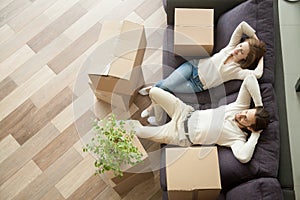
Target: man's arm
249,88
259,70
243,151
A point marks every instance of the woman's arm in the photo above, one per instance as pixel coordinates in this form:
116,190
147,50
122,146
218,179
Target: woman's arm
257,72
243,151
242,28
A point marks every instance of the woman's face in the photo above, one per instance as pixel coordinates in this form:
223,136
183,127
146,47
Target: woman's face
240,52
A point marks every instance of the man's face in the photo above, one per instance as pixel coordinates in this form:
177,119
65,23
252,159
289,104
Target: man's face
246,118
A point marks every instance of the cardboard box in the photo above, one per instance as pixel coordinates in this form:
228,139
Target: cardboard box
133,175
116,69
193,32
121,101
193,173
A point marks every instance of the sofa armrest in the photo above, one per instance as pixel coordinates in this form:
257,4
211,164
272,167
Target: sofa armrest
220,6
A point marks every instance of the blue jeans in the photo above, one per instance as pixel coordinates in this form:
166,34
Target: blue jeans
184,79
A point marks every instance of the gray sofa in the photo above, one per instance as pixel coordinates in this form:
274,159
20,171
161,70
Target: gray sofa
269,174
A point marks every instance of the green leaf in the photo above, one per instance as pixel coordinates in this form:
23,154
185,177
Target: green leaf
112,145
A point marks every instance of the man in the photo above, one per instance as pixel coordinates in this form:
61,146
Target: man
226,125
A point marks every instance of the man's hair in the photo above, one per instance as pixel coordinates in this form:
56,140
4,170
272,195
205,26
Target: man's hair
262,119
257,49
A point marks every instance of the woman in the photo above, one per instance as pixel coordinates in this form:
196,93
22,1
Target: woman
228,64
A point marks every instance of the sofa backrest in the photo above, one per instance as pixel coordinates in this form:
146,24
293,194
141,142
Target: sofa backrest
219,6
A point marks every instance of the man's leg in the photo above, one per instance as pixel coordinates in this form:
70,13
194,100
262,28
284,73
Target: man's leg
156,134
167,101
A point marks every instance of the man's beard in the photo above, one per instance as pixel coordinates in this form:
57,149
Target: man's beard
238,121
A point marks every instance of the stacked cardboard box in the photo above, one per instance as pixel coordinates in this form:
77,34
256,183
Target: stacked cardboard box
193,173
117,81
193,32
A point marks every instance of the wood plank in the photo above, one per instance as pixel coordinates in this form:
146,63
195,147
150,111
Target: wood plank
28,14
122,10
40,59
84,123
157,195
58,83
109,193
59,8
78,146
156,20
56,28
5,33
56,148
101,109
77,48
90,189
12,9
8,146
4,3
90,19
19,95
74,111
76,177
14,121
144,189
89,4
42,116
63,142
147,8
13,62
45,182
26,152
20,38
19,180
135,18
53,194
6,87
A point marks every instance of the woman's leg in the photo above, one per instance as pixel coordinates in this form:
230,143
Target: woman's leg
179,80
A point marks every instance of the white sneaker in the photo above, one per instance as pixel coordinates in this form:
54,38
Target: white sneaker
145,113
152,121
145,91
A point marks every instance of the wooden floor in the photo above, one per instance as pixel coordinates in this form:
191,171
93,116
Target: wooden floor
43,46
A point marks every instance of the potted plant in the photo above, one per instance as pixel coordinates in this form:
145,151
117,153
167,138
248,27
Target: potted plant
112,146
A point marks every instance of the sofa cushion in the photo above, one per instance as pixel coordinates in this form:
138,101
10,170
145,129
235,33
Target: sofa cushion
259,15
262,188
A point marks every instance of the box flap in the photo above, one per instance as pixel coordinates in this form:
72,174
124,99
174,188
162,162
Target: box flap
194,17
94,80
126,50
121,68
192,168
129,40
